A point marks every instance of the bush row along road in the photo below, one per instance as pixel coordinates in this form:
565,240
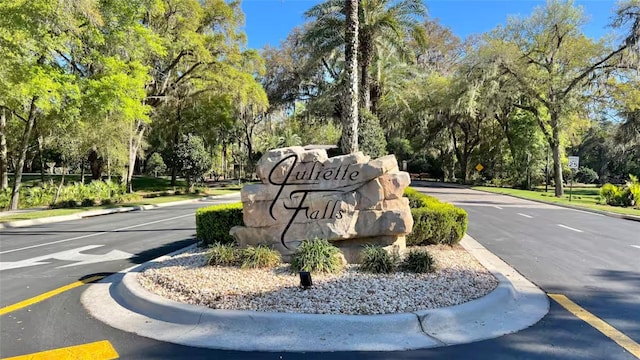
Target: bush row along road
591,259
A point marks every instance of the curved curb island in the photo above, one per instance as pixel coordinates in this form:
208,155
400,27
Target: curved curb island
515,304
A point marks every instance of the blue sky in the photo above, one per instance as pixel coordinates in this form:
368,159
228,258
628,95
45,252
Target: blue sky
269,21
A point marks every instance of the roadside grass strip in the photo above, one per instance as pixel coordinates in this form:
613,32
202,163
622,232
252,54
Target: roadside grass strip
609,331
99,350
48,294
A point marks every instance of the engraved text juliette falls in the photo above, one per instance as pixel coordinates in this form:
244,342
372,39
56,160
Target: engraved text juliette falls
313,176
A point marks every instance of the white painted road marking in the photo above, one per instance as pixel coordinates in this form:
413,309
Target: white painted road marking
91,235
570,228
586,212
497,207
525,215
636,246
68,255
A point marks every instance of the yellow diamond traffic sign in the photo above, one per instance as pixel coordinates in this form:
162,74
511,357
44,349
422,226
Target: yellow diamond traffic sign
479,167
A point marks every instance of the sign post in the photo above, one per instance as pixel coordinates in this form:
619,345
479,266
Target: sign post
574,163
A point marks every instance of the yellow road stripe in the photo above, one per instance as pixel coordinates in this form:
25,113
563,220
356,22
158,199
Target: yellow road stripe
609,331
99,350
47,295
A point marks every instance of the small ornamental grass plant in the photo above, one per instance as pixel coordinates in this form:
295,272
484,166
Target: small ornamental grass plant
378,261
260,256
418,261
317,255
252,257
223,255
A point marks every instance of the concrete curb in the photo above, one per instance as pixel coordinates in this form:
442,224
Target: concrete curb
100,212
515,304
601,212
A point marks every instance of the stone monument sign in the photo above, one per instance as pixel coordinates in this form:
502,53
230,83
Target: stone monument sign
349,200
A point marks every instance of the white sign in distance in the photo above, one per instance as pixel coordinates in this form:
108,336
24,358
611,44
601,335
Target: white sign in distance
574,162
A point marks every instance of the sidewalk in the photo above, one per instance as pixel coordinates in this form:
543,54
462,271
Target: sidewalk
515,304
98,212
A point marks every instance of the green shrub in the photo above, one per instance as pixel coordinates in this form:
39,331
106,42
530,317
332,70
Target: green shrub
587,175
317,255
434,222
214,222
127,198
418,261
616,196
5,198
87,202
223,255
377,260
634,187
155,165
418,199
371,138
260,256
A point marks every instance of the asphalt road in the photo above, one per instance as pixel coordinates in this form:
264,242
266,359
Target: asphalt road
591,258
598,268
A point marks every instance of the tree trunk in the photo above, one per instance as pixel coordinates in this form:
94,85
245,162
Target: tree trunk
60,186
24,146
135,139
366,56
224,160
108,168
557,164
174,163
82,171
40,150
4,161
349,141
96,163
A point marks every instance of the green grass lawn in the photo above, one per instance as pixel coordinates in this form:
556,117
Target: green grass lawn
146,201
140,183
586,197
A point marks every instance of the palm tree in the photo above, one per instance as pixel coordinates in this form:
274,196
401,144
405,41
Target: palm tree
380,22
349,141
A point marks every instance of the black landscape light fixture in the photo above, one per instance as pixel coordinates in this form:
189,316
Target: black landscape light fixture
305,279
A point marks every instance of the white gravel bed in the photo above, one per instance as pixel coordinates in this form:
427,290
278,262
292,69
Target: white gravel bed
186,278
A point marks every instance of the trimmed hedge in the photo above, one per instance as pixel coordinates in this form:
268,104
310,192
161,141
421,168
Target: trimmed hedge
434,222
214,222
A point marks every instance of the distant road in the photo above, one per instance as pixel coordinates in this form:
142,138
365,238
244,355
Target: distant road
591,258
37,259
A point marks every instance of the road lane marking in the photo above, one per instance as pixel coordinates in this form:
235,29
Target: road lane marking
570,228
94,234
636,246
48,294
74,255
585,212
99,350
497,207
525,215
609,331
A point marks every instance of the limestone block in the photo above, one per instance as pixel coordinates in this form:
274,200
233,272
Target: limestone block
305,195
395,204
387,163
394,184
370,195
390,222
352,248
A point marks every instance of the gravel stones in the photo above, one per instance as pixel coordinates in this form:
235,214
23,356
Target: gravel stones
186,278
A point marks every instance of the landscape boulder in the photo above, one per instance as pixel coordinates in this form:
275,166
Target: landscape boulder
349,200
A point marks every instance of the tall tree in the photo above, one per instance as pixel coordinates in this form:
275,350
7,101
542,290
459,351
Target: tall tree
34,83
380,22
553,63
349,142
